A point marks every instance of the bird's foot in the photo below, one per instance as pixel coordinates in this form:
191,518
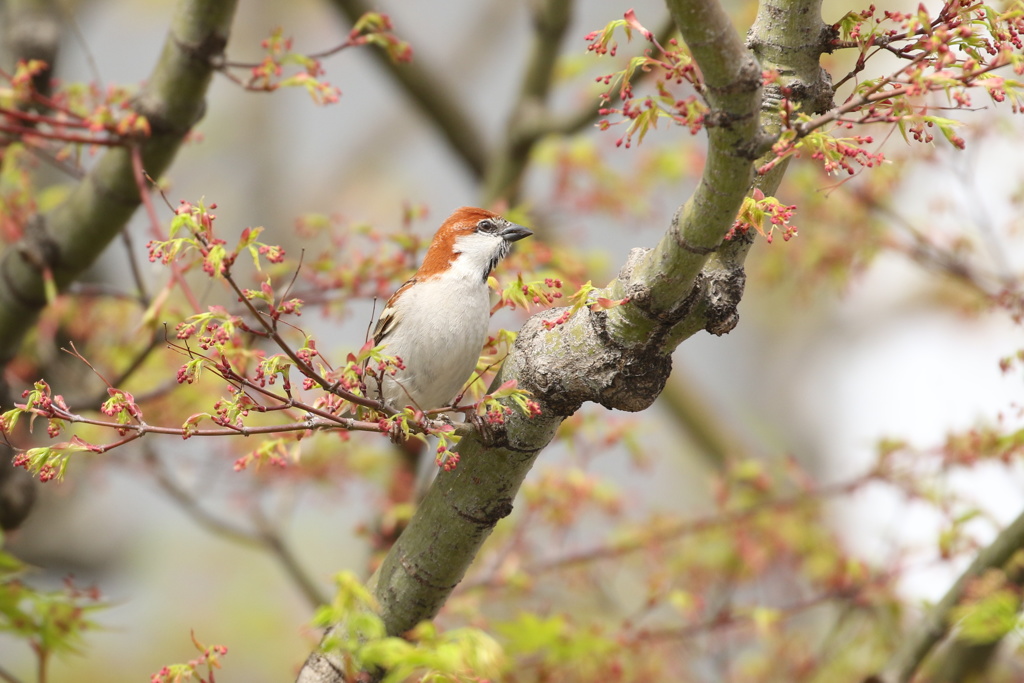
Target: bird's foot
396,433
488,434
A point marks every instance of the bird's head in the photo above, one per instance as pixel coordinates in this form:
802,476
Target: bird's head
471,241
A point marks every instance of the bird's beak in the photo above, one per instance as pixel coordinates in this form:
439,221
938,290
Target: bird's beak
515,232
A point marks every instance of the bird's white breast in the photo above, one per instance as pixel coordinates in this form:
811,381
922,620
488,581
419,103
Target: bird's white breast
440,328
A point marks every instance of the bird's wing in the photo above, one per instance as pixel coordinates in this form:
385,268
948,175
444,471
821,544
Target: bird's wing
389,316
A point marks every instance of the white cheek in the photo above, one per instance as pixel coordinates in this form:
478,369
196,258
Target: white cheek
476,251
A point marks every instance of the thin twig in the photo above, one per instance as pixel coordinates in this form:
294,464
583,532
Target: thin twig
83,44
141,178
126,236
44,154
329,52
30,132
139,359
876,94
35,118
886,41
141,428
305,368
924,252
136,363
570,124
190,505
133,266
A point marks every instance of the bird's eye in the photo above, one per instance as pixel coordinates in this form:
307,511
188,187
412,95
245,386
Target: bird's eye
486,225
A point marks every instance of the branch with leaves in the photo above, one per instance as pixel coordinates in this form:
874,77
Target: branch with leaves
59,246
371,28
340,396
951,54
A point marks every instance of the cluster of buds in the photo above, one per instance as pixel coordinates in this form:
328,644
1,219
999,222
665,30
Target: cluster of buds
765,215
548,296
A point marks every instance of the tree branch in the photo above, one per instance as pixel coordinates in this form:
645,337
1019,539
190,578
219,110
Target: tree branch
67,240
531,119
788,37
678,530
505,170
420,83
713,434
660,283
908,659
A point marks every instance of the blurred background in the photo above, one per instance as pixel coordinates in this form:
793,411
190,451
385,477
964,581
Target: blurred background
847,336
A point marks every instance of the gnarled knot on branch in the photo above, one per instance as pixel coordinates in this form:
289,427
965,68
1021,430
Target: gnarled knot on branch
578,361
582,359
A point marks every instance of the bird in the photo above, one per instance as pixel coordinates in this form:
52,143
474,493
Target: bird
436,322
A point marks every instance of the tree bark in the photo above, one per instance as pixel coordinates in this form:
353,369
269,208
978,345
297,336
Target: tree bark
68,239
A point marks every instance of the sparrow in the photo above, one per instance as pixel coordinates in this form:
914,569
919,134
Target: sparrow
436,323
